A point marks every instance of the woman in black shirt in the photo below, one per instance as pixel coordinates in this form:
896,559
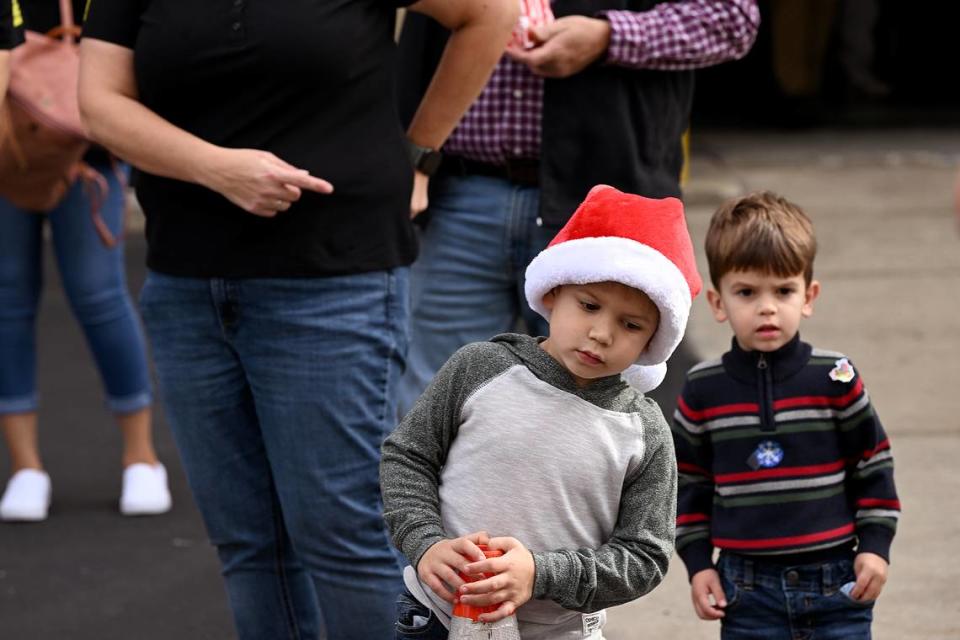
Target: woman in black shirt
277,187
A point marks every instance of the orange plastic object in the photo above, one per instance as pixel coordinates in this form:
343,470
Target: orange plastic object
462,610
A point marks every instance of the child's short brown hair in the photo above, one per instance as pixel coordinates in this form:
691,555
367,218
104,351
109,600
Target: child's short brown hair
761,231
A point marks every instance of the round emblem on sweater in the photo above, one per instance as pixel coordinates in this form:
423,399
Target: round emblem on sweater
769,453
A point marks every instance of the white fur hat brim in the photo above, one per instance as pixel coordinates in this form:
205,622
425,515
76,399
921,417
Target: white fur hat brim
616,259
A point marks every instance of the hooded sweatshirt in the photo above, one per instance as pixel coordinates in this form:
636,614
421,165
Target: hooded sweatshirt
503,440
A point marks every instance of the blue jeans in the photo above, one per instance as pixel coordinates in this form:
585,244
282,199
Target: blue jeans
279,393
427,627
96,287
467,284
767,601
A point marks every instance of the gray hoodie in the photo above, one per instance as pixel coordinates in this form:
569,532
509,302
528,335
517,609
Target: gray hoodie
504,441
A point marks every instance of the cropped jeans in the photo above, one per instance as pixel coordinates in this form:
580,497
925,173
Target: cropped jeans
769,601
467,284
96,288
279,393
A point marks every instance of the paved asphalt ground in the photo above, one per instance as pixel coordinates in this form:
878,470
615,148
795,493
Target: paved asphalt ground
890,265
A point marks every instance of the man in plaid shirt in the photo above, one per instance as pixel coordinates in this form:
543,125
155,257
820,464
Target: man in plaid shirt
603,96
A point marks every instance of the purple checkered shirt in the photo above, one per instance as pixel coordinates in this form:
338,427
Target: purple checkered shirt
504,122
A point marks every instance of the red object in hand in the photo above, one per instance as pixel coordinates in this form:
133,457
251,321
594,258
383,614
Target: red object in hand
533,13
462,610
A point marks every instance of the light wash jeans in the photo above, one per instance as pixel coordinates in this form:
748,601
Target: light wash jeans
769,601
95,284
467,284
279,393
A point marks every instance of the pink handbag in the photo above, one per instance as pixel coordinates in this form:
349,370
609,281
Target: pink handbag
42,139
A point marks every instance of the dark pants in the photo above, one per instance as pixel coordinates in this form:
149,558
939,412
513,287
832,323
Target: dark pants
771,601
415,620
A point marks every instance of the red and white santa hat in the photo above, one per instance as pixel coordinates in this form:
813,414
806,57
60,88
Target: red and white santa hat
640,242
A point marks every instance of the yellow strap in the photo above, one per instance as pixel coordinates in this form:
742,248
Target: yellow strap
685,169
17,14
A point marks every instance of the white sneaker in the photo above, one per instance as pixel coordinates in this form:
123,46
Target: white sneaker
27,497
145,490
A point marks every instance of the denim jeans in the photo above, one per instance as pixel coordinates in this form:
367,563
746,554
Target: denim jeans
416,621
467,284
279,393
768,601
96,287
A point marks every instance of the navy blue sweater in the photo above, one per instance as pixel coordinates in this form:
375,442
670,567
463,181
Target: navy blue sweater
780,453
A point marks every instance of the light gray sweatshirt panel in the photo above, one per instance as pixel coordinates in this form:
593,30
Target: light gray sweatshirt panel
504,441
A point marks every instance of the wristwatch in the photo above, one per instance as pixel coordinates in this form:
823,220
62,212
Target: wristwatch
424,159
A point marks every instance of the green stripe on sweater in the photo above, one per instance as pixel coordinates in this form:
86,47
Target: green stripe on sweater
735,433
866,471
890,523
777,498
685,540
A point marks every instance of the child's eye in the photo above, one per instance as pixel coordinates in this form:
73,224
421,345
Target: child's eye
745,293
632,326
589,306
786,291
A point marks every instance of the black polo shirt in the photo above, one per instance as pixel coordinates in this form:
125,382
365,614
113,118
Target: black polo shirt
311,81
10,35
43,15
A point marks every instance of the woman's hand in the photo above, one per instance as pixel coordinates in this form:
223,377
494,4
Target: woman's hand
419,201
258,181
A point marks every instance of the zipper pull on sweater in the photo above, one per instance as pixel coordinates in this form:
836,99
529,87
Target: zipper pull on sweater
765,395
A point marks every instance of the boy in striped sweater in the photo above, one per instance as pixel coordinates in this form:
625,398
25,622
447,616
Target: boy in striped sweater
783,463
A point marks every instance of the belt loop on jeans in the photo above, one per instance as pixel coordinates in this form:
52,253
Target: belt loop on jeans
748,574
826,578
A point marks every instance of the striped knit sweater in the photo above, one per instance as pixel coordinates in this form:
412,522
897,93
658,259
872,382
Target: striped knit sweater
780,453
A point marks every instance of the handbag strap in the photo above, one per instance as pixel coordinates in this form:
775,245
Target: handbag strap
67,24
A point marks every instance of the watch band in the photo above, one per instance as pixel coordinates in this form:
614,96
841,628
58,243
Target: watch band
424,159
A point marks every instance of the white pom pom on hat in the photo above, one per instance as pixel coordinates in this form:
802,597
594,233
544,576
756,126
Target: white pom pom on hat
640,242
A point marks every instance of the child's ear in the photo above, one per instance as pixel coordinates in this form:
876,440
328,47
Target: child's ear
716,306
550,299
813,290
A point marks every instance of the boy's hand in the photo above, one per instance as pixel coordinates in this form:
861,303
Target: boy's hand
439,566
704,584
871,572
510,587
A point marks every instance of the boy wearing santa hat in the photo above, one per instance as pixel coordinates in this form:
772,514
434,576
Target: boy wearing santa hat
539,447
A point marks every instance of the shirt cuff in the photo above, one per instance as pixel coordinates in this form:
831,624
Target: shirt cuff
627,30
697,556
875,539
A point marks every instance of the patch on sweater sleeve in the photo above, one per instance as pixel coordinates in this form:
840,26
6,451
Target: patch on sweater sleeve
843,372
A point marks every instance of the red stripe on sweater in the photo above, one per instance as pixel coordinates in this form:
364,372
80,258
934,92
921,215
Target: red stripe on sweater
712,412
810,470
687,518
686,467
820,401
878,502
789,541
869,453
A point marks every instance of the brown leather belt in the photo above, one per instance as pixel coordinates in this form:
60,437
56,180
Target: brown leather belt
520,171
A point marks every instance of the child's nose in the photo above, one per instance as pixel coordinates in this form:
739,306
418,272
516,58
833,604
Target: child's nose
600,331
